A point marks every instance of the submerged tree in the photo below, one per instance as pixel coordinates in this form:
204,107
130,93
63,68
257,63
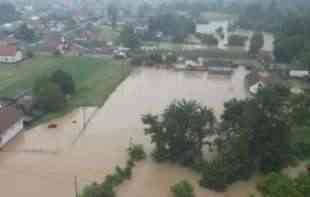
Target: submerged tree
183,189
179,133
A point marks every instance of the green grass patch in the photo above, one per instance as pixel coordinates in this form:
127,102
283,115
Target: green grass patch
95,78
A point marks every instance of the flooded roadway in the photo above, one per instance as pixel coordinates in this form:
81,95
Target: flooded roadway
44,162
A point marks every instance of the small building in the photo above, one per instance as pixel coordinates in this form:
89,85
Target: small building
9,54
298,73
11,123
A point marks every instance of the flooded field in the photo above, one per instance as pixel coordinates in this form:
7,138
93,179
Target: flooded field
44,162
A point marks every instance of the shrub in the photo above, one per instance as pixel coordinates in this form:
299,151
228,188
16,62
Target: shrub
237,40
215,175
208,39
183,189
136,152
64,81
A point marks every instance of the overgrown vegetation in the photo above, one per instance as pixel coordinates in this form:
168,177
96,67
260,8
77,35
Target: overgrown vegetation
182,189
237,40
278,185
107,187
208,39
256,43
244,145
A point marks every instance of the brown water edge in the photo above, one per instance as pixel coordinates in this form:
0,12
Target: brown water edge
43,162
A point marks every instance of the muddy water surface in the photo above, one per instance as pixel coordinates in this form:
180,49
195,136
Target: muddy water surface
44,162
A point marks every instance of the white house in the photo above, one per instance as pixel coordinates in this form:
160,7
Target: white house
298,73
11,123
9,54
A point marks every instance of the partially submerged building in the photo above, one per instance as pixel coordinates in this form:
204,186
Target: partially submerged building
11,123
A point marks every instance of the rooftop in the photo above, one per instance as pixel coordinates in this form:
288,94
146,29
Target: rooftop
9,115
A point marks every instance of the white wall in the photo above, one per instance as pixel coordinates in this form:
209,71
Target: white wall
12,59
11,132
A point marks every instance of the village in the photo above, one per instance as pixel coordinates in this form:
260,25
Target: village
76,77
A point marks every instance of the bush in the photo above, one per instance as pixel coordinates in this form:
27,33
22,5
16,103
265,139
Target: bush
278,185
171,58
49,96
215,175
137,60
155,58
29,54
182,189
136,152
237,40
208,39
64,81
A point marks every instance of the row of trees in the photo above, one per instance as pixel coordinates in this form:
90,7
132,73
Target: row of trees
107,187
254,135
51,92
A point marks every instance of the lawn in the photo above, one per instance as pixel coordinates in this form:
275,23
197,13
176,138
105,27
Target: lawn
95,78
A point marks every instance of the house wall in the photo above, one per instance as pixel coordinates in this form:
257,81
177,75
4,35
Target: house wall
11,132
12,59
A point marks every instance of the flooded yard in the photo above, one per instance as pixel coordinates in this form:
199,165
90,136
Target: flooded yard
44,162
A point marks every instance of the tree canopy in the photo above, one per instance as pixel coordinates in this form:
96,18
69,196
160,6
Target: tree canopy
256,43
25,33
64,81
245,144
49,96
179,133
129,38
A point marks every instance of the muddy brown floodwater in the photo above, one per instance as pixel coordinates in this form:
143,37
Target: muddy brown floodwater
43,162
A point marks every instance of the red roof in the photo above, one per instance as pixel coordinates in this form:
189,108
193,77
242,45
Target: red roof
7,51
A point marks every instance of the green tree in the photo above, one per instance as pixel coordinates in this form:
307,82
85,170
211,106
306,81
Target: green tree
256,43
136,152
237,40
49,96
183,189
25,33
64,81
180,132
245,145
129,38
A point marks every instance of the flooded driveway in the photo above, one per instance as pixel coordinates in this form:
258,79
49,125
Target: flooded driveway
44,162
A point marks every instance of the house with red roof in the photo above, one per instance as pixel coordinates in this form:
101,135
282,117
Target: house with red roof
10,54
